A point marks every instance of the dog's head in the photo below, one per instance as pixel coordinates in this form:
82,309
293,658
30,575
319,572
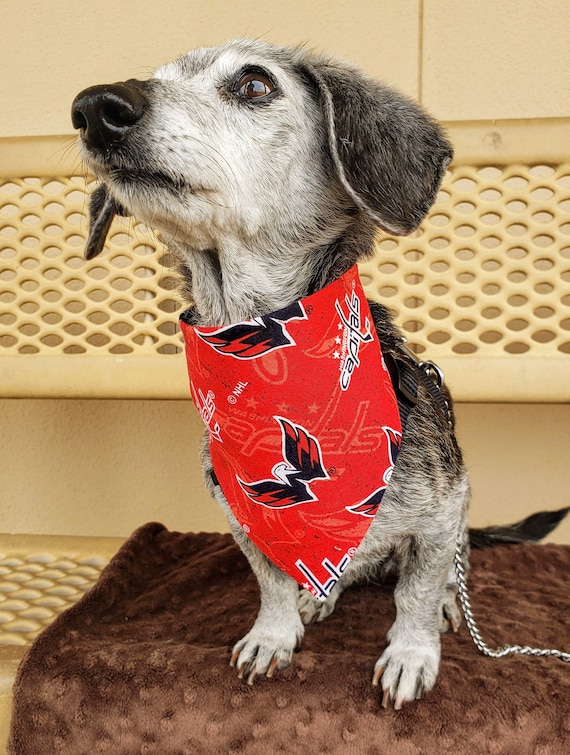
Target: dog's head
258,142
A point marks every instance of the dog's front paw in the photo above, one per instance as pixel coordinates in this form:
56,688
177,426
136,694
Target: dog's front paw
311,609
266,649
407,671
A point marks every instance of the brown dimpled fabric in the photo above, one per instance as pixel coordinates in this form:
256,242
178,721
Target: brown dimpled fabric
141,664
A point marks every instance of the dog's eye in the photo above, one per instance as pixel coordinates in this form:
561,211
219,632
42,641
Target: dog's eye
254,85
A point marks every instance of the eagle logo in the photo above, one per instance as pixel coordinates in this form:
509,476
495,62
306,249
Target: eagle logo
302,463
369,506
256,337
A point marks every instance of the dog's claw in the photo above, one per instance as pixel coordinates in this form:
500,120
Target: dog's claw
252,676
273,666
312,610
249,672
241,670
233,659
311,620
259,654
398,704
387,699
449,613
377,676
406,674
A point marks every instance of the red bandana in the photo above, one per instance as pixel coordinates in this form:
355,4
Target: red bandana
303,426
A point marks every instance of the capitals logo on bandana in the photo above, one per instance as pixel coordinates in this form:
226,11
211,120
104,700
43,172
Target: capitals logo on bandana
302,463
303,426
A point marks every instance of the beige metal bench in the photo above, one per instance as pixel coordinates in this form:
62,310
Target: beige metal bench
483,287
40,576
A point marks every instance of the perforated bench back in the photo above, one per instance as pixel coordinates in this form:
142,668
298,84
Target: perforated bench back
483,288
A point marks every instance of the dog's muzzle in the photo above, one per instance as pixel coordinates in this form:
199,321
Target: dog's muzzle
106,113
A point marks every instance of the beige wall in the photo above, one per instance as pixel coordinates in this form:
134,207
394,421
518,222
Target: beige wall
486,59
465,59
105,467
86,467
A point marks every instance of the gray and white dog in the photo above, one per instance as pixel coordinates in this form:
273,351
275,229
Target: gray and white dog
268,171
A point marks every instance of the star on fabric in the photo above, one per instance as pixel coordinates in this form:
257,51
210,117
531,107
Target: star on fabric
336,354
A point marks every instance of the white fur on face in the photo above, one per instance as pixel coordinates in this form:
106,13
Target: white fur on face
250,179
252,192
244,168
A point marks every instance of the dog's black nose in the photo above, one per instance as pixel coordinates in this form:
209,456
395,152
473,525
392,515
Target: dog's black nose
107,112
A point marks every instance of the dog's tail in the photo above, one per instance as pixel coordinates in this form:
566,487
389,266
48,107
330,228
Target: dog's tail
530,530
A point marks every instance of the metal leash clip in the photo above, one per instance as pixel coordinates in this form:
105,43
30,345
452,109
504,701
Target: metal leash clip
432,371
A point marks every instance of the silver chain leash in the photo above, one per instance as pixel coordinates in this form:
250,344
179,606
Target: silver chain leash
474,629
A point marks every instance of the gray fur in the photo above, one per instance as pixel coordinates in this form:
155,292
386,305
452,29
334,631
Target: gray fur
264,202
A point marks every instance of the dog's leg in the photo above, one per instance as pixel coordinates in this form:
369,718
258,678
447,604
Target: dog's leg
409,665
278,629
313,610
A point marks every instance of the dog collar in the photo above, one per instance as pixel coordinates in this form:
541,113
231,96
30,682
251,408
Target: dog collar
303,426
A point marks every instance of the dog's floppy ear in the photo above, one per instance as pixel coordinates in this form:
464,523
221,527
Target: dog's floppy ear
102,210
388,153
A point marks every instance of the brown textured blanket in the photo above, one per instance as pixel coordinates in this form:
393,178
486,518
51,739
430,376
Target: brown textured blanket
140,664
